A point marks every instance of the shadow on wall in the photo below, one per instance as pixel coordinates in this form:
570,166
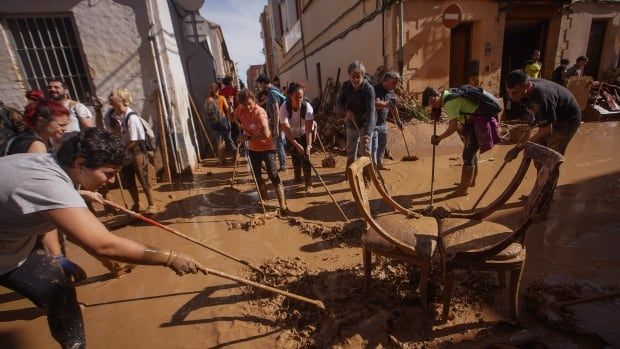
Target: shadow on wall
431,45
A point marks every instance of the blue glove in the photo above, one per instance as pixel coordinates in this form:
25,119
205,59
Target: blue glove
72,270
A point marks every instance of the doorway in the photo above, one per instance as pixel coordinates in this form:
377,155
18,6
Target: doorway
595,48
460,53
521,38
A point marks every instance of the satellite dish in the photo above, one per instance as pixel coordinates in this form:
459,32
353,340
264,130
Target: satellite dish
191,5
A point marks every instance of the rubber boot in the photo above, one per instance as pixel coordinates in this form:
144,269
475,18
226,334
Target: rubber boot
263,191
221,155
279,189
473,180
297,172
349,162
467,175
308,179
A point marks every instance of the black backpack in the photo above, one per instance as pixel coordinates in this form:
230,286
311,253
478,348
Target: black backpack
488,105
302,110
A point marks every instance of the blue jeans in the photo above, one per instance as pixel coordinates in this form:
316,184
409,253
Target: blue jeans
353,141
379,143
280,145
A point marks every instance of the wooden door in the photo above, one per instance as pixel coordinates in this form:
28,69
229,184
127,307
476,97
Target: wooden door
460,53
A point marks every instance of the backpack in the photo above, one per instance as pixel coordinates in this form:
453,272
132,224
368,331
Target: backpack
488,105
150,141
278,94
302,110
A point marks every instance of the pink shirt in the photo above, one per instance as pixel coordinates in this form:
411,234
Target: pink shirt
254,122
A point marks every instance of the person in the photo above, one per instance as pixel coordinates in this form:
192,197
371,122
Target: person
385,104
533,66
552,107
261,146
230,93
462,114
33,96
275,99
577,68
123,120
357,100
46,122
297,122
218,116
37,193
559,74
81,117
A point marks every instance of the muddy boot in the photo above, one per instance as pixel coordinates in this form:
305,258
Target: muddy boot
279,189
263,191
297,173
221,155
346,167
473,180
467,175
308,179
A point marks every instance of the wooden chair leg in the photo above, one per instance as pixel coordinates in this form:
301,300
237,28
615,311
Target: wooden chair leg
501,277
513,292
367,261
424,273
447,294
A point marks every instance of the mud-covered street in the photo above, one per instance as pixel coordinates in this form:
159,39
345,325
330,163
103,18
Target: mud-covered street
311,253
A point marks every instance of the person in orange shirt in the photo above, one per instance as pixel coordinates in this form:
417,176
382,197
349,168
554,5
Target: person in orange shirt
260,146
218,117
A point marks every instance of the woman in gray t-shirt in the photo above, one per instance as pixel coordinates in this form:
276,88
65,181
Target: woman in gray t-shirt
37,193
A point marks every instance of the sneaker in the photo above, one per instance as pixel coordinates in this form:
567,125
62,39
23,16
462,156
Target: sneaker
151,209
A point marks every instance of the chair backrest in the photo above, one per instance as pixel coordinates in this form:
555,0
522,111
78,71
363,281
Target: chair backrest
548,162
496,204
360,195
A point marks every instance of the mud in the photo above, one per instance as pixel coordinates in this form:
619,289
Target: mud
319,257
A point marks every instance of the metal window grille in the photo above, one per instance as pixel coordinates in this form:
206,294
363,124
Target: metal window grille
48,48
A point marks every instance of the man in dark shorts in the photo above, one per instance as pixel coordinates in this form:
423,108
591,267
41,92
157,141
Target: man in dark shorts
552,106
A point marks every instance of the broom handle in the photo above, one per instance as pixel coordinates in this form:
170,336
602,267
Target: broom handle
433,165
120,185
177,233
405,141
314,302
328,192
232,183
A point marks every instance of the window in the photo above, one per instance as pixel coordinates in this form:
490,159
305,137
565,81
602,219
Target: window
47,47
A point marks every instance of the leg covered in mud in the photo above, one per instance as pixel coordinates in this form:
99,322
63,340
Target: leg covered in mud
43,281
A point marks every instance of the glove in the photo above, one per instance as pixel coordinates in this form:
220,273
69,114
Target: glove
512,154
183,264
71,270
435,140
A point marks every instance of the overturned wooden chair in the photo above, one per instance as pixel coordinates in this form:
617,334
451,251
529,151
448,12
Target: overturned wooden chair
468,243
401,234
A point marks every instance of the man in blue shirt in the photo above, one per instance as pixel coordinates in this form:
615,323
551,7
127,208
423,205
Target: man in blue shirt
275,99
385,103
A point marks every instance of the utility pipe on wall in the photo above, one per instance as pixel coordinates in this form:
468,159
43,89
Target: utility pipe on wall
401,60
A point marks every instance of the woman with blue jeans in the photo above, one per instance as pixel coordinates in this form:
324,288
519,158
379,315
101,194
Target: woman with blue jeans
357,99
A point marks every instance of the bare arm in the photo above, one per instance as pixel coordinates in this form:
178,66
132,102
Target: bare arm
452,127
309,141
51,244
87,122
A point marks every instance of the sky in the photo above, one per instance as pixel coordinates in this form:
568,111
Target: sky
240,24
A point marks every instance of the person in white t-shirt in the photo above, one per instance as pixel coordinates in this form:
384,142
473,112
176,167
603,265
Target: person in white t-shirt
80,117
123,120
297,122
37,194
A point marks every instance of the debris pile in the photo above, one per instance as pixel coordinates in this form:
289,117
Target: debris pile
339,235
257,219
387,315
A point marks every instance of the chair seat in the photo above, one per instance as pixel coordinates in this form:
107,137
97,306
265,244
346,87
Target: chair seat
419,233
470,235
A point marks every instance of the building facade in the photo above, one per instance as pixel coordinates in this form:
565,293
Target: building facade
317,38
254,71
151,47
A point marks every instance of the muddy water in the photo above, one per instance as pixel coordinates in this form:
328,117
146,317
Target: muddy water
153,308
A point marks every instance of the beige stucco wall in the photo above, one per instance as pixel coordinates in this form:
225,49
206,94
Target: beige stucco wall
427,43
362,44
577,32
114,38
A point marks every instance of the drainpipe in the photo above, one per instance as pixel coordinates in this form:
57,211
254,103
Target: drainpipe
401,60
163,87
303,43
